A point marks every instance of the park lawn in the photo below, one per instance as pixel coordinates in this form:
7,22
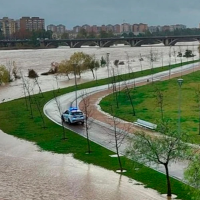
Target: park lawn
16,120
147,107
50,139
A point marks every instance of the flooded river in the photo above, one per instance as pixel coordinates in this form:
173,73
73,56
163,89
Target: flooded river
26,173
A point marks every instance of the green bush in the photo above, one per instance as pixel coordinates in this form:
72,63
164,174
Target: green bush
4,75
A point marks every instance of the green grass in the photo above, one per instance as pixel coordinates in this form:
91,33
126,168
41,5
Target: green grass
16,120
147,108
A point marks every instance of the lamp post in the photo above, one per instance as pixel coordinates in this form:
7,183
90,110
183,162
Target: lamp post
75,82
180,82
107,64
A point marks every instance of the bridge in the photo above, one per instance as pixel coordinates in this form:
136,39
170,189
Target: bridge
104,42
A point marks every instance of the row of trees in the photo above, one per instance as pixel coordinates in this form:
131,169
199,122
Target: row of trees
78,63
27,34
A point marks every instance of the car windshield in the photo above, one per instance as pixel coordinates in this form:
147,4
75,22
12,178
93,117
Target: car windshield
77,113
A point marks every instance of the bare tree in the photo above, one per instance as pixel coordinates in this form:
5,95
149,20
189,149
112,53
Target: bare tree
159,100
38,85
128,91
115,92
162,58
116,64
28,88
85,106
128,62
158,149
152,57
39,110
118,136
60,114
141,59
197,99
181,60
24,90
170,55
174,54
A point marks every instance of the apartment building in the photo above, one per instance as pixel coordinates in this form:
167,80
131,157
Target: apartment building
7,26
86,27
52,28
60,29
139,28
94,29
76,29
32,23
116,28
125,28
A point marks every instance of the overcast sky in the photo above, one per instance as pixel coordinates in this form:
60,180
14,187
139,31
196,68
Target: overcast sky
98,12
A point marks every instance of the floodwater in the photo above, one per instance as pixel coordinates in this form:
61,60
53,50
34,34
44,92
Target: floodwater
28,173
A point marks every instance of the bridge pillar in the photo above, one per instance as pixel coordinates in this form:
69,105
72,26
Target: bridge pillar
101,44
166,42
42,44
132,43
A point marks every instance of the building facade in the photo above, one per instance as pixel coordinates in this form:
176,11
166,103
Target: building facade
32,23
7,27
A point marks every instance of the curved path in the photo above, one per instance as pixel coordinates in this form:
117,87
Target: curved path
101,130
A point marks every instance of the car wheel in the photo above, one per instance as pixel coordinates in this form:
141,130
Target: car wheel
82,123
69,122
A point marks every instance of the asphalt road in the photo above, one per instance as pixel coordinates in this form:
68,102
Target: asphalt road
102,133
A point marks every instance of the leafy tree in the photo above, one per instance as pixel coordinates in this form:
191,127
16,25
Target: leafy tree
76,61
88,112
102,62
158,149
91,64
65,35
131,34
188,53
65,68
192,174
4,75
92,35
82,33
179,54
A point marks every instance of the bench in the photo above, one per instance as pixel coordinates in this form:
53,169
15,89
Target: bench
145,124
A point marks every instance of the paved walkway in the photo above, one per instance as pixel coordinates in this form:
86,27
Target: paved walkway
104,139
103,117
177,168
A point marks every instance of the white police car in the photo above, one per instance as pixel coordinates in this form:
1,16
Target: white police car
73,115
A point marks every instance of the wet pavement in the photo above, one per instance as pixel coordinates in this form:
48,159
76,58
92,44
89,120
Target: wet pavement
102,123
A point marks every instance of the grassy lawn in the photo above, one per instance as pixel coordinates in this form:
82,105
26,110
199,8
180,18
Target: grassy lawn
15,120
147,107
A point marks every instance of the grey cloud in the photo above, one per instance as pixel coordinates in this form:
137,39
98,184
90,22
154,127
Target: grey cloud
79,12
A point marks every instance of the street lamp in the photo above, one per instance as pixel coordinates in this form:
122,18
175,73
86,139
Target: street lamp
75,81
180,82
107,64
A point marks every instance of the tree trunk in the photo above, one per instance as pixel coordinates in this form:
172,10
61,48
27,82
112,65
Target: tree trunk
87,133
169,192
199,122
93,74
